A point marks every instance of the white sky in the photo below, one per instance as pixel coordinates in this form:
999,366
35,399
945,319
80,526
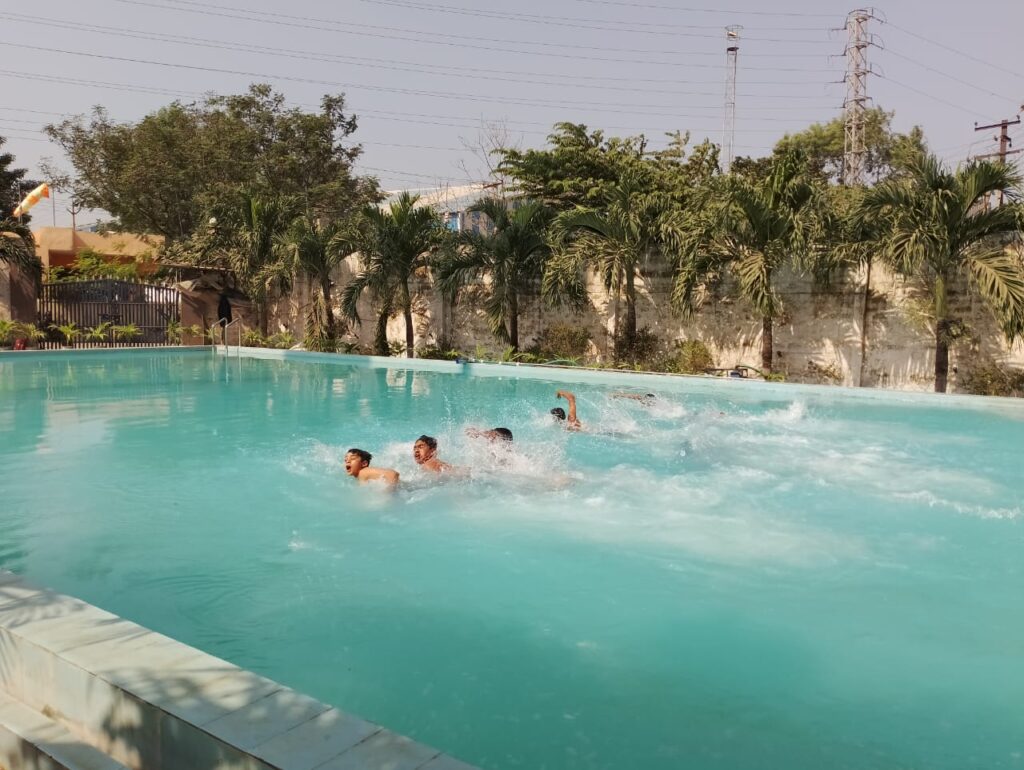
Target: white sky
422,74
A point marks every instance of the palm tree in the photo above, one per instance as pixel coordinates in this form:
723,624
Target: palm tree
316,250
395,243
937,226
513,254
617,239
761,226
255,249
18,247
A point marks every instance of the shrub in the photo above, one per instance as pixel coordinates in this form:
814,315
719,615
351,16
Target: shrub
993,380
561,341
693,357
251,338
281,341
126,333
437,353
641,349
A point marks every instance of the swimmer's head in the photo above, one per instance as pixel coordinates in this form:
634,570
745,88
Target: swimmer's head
499,434
558,412
356,460
423,449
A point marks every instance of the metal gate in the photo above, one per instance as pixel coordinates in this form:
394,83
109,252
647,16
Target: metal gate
114,308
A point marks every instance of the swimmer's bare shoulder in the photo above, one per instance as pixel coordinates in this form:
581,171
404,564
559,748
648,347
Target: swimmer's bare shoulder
386,475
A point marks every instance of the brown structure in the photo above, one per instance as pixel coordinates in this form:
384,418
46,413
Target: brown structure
60,246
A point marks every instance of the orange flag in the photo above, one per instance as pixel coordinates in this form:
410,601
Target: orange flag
42,191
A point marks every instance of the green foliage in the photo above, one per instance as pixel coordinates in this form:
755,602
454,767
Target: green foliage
561,341
641,349
251,338
174,332
7,331
282,341
512,255
126,332
438,353
319,334
13,185
992,380
617,239
162,173
934,226
395,243
17,246
90,265
99,333
69,332
693,357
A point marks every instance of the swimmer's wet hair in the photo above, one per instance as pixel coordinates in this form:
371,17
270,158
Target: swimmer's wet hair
558,412
651,396
430,441
504,433
362,454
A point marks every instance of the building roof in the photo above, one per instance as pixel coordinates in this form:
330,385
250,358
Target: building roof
448,197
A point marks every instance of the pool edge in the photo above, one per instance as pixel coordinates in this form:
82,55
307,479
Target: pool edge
147,700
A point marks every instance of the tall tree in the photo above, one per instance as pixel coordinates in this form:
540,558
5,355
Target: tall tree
161,174
936,226
758,227
617,238
13,185
18,247
316,250
512,254
396,243
575,170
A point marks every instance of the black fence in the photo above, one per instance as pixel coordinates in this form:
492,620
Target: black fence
117,313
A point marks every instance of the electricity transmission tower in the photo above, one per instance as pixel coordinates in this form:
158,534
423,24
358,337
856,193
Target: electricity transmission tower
857,71
732,49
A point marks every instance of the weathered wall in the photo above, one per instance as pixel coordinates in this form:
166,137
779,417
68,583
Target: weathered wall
817,340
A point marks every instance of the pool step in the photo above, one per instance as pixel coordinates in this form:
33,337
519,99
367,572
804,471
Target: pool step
32,741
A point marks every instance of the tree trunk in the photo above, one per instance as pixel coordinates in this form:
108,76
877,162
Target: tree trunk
513,321
263,319
766,344
325,287
380,336
942,325
409,331
941,355
630,306
864,327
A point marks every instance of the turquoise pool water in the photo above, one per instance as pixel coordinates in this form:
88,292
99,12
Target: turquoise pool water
739,577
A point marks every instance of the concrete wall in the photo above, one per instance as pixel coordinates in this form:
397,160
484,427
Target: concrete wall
818,340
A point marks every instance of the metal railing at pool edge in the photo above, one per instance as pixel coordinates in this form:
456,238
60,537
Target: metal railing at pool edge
225,325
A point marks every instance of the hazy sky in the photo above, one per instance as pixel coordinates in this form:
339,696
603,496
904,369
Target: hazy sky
423,74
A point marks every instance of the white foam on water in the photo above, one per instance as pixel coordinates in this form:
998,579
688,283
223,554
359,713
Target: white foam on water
968,509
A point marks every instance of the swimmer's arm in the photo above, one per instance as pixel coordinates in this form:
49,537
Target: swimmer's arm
571,398
387,475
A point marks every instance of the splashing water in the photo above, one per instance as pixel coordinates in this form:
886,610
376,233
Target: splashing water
726,577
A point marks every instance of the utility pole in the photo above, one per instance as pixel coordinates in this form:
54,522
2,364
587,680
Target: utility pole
857,71
1005,142
732,49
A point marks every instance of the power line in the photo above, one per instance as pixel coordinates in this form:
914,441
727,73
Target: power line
923,66
731,11
925,94
648,109
375,64
303,22
579,22
951,49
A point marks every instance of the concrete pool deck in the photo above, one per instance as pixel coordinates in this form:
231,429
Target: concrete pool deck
82,688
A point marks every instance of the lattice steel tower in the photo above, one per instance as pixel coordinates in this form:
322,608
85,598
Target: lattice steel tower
732,49
857,71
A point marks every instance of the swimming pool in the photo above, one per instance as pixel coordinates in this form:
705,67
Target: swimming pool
739,576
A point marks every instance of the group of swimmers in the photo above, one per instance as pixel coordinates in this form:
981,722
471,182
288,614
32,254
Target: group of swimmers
424,449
